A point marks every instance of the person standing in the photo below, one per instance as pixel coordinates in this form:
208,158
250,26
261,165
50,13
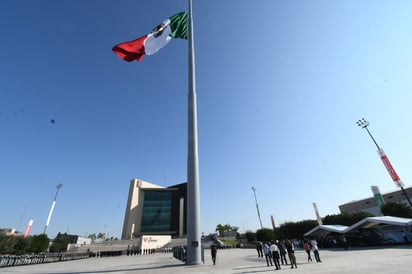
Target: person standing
345,242
213,252
315,250
275,254
291,253
306,246
266,251
405,235
259,249
282,251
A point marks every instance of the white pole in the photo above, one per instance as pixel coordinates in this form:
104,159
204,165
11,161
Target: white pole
52,207
194,243
315,207
50,214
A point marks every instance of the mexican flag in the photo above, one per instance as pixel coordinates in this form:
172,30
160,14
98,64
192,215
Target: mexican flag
174,27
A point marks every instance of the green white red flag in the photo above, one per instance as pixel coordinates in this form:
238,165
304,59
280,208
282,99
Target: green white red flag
173,27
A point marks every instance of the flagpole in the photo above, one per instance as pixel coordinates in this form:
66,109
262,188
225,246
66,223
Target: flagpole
194,244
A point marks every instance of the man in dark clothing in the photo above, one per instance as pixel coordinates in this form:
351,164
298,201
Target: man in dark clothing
282,252
291,253
213,252
259,249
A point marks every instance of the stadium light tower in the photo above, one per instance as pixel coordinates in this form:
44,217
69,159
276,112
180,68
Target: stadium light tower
364,124
52,207
257,207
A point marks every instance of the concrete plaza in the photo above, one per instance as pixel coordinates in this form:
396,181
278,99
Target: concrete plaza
395,259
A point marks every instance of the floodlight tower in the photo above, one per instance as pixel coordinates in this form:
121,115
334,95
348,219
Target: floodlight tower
257,207
52,207
364,124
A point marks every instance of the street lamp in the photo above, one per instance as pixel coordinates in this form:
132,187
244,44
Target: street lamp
52,207
364,124
257,207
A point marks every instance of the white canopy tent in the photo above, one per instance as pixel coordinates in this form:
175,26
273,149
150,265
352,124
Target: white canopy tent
365,223
374,221
325,229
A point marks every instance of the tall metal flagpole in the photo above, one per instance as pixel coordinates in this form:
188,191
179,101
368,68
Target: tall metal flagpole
193,198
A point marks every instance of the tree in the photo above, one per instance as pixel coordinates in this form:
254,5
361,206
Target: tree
101,236
220,229
92,236
16,245
291,230
39,243
345,218
21,245
396,209
265,235
7,244
223,228
234,228
250,236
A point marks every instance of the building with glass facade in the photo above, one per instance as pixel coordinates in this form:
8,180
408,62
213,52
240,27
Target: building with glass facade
155,210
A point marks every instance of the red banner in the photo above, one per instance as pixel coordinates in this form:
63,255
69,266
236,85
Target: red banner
273,222
390,168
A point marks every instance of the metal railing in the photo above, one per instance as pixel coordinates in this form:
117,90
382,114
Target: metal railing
16,260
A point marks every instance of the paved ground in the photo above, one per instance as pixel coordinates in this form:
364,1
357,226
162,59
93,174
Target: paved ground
397,259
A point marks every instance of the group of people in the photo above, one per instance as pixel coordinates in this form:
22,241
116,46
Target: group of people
135,250
312,245
275,252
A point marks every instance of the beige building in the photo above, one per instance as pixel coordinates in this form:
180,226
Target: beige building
370,205
9,231
154,210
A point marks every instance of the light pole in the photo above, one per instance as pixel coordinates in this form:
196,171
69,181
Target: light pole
364,124
257,207
52,207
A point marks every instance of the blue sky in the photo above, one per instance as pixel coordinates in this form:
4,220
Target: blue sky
280,86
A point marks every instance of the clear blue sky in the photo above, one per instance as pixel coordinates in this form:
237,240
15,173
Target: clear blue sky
280,85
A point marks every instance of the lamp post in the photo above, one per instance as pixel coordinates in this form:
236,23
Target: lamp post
257,207
364,124
52,207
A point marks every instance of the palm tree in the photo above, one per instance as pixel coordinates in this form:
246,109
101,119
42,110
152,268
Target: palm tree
220,229
101,236
223,228
92,236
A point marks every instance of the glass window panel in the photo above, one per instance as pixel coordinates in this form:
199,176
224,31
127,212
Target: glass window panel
157,208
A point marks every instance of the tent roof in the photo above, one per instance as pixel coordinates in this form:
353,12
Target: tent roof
325,229
374,221
367,222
